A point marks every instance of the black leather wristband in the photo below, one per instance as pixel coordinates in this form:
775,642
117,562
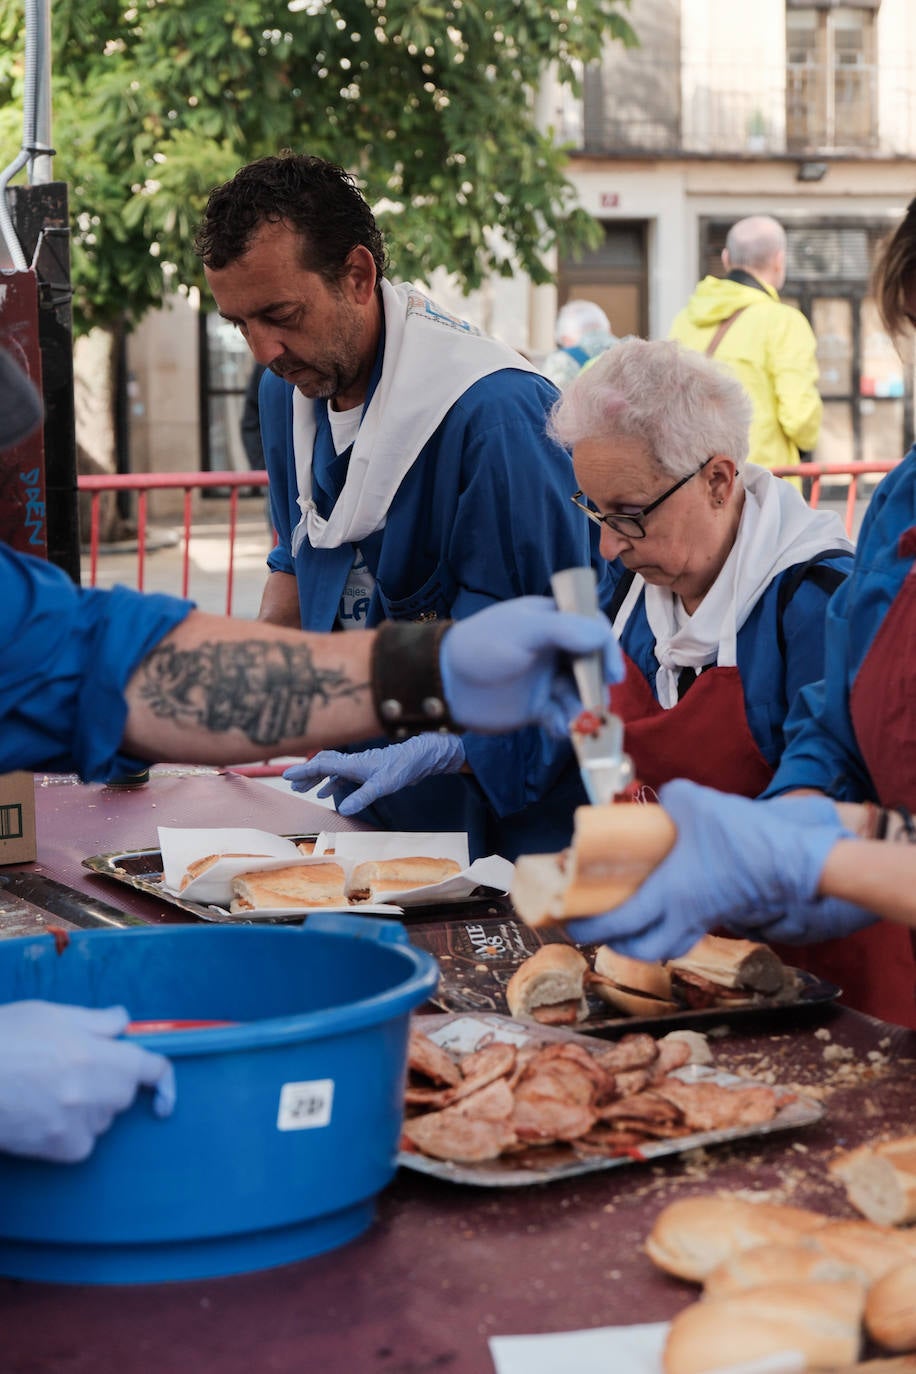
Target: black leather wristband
406,681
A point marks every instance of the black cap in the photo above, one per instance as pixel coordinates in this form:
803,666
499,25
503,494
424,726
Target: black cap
21,410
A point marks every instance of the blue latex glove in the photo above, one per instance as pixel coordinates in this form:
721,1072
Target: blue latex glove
509,665
752,866
380,771
64,1076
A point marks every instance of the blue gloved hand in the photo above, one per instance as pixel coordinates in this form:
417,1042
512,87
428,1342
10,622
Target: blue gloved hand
380,771
509,665
64,1076
752,866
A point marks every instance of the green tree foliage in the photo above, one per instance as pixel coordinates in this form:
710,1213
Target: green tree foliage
428,102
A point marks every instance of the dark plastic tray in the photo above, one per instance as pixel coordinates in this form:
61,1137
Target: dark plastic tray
479,952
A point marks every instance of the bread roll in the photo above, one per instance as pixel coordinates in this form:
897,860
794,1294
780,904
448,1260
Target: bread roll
304,885
880,1180
199,866
549,986
890,1308
733,964
374,877
801,1262
614,848
821,1321
872,1249
692,1236
633,986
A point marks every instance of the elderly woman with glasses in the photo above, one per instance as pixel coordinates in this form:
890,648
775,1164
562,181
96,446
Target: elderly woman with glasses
720,572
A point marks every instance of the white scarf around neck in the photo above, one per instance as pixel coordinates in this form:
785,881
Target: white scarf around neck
777,529
431,359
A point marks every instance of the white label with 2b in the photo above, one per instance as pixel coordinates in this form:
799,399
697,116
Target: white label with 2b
305,1105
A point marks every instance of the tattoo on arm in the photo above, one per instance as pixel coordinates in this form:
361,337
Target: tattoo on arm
265,690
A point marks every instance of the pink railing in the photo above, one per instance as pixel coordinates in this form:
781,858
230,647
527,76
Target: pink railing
188,482
818,471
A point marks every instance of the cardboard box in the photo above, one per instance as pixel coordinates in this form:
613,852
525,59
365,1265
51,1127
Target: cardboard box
17,818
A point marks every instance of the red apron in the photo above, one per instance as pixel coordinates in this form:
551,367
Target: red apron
875,967
705,737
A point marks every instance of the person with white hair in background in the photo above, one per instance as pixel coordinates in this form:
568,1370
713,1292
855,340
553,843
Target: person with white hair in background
583,332
768,345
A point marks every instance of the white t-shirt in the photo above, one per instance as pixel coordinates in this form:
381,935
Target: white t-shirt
357,594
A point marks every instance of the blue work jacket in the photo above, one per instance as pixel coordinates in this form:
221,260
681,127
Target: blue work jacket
821,749
483,515
69,654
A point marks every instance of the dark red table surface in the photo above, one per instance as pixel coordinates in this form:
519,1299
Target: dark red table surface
75,821
444,1267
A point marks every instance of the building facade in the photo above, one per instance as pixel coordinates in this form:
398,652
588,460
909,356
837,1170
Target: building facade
804,111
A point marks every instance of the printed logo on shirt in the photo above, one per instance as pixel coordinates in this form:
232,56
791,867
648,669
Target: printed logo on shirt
356,596
418,304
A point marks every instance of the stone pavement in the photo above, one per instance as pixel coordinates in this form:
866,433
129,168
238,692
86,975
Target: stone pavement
209,562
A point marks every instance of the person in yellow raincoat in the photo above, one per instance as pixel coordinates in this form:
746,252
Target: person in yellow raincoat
769,346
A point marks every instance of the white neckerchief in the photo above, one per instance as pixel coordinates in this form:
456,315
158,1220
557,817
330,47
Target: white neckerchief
431,358
777,529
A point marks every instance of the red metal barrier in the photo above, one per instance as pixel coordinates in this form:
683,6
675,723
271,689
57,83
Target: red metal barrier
188,482
818,471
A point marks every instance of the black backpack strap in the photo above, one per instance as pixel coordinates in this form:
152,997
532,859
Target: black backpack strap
828,579
620,595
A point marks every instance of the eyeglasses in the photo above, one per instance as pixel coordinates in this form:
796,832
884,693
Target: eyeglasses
631,526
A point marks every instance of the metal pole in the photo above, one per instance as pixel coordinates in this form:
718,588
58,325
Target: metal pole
34,220
40,167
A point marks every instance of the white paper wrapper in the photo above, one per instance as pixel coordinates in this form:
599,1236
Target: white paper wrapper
180,847
623,1349
395,844
264,913
491,871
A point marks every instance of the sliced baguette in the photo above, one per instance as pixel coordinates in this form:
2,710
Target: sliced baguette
549,986
880,1179
632,986
374,877
694,1235
732,963
304,885
614,849
822,1322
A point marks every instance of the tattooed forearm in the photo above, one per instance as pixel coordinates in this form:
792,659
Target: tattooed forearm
267,691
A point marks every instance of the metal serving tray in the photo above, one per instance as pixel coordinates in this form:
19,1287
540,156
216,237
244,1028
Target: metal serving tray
546,1164
142,869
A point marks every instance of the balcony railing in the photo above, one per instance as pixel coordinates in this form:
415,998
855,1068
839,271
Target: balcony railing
96,485
635,103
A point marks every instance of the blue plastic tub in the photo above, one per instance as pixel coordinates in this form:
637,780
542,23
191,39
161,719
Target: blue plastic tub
286,1125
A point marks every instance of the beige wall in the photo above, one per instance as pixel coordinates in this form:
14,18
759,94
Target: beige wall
896,33
163,400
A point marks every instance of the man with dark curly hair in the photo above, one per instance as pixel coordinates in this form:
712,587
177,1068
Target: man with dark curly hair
411,476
